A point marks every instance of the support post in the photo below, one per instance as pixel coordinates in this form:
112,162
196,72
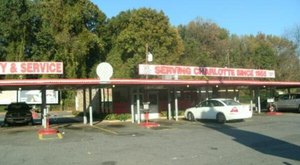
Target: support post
235,95
44,110
258,102
132,105
84,107
251,105
90,107
91,115
169,105
44,120
138,106
176,104
90,96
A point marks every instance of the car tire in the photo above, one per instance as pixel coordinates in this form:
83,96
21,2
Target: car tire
221,118
190,116
275,108
5,124
30,123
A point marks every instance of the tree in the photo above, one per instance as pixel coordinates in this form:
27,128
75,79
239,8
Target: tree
206,44
72,32
293,35
271,52
17,22
132,30
288,62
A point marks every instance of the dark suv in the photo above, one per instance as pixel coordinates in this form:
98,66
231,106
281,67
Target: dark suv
18,113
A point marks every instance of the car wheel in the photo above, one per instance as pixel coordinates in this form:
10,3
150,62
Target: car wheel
275,108
5,124
221,118
190,116
30,123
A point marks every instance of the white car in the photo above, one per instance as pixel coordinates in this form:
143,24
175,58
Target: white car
220,109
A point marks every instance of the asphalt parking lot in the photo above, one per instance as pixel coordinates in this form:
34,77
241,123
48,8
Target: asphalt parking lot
264,139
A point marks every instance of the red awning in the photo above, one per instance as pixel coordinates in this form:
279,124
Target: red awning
81,83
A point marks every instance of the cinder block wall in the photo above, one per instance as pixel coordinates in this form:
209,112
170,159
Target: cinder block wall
95,99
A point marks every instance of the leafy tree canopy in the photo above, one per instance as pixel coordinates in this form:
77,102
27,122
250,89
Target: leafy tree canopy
132,31
71,31
206,44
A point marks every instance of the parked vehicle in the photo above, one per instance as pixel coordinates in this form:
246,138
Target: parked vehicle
287,102
18,113
220,109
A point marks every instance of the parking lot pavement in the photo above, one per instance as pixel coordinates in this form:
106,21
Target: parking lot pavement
263,139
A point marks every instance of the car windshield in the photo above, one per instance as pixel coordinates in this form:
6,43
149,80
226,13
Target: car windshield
231,102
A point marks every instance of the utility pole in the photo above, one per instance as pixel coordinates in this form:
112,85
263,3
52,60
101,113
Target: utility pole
149,57
147,51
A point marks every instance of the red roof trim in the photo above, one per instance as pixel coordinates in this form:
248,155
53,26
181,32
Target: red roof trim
76,82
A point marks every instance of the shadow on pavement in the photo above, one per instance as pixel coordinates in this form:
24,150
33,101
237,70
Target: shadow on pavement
259,142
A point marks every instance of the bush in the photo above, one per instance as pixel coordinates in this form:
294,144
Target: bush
121,117
165,113
111,117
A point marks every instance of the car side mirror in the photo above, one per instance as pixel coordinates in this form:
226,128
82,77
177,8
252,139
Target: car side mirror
6,109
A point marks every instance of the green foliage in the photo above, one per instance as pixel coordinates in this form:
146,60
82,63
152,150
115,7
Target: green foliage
68,99
77,29
73,32
121,117
132,30
206,44
165,113
17,22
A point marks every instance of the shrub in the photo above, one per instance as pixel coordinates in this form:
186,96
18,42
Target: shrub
121,117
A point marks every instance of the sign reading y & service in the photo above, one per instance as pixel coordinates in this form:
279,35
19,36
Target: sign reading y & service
145,69
31,68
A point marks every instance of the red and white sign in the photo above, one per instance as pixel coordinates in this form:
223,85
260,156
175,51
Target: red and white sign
145,69
31,68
